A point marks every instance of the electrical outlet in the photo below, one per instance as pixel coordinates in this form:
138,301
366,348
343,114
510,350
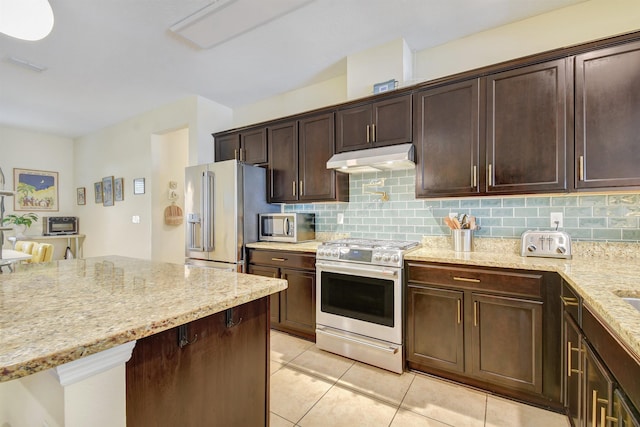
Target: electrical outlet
135,219
556,220
340,218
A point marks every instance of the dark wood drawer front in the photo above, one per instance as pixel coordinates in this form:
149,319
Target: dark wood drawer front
283,259
624,367
571,303
511,283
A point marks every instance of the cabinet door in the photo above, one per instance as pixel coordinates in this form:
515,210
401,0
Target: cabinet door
298,305
283,168
623,413
572,368
597,390
392,121
506,335
527,118
220,378
354,128
434,328
447,138
227,147
254,146
316,146
261,270
607,120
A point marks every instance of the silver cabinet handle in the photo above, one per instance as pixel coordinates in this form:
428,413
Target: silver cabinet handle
373,132
301,189
474,176
368,135
293,188
581,168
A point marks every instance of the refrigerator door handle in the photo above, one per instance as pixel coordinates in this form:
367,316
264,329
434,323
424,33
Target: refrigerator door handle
208,213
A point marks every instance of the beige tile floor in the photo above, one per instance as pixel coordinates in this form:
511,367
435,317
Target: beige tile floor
310,387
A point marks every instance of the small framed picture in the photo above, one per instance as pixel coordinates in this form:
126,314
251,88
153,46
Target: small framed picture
138,186
98,189
107,191
81,196
118,189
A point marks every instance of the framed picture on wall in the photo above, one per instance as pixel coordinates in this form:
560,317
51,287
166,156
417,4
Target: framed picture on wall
98,189
81,196
107,191
138,186
118,189
35,190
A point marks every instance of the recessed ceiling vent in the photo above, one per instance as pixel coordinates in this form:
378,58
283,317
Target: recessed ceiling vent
223,20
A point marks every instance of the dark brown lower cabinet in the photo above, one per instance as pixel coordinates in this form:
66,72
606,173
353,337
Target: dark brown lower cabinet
486,328
600,376
507,341
294,309
220,378
598,390
441,310
573,370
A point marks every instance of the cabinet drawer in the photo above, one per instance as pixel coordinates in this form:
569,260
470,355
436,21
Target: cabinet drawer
508,282
283,259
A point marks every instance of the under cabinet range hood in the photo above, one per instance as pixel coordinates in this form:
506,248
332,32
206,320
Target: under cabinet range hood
392,157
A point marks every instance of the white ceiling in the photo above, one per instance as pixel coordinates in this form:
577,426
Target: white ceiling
108,60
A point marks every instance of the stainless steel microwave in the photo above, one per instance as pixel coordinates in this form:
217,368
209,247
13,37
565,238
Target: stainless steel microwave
56,225
287,227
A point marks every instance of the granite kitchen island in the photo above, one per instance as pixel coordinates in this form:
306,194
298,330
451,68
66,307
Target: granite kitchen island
72,331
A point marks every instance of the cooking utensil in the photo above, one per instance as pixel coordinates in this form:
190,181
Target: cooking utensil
449,222
456,223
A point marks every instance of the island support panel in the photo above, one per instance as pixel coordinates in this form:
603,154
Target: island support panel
211,372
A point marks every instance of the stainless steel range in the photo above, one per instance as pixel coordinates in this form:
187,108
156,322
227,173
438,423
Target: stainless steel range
359,300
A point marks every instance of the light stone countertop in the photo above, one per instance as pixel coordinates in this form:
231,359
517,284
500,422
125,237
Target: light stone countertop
599,272
54,313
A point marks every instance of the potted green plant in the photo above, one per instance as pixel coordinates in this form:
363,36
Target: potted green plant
20,222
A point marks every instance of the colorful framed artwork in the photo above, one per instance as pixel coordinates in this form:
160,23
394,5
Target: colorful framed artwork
81,196
35,190
118,189
107,191
98,189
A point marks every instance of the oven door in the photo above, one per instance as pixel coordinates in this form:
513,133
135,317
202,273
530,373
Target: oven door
360,299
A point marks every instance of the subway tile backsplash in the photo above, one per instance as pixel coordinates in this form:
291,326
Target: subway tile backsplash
611,217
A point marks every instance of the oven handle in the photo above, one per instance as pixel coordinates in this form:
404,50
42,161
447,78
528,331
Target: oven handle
354,269
388,349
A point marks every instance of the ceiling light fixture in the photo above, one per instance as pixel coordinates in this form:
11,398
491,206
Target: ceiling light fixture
29,20
223,20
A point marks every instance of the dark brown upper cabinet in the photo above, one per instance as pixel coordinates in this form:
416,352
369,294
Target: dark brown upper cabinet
299,151
607,123
505,133
447,139
375,124
528,124
248,146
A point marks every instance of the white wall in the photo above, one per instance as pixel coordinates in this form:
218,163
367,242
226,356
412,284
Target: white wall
170,153
125,150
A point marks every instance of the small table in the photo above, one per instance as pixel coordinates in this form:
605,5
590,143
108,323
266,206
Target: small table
11,257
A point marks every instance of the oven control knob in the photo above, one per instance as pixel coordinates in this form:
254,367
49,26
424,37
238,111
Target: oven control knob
376,257
335,253
395,258
320,252
385,258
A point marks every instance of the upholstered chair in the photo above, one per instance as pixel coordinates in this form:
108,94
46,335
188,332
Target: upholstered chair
42,252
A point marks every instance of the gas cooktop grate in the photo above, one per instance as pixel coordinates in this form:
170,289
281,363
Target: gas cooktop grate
372,243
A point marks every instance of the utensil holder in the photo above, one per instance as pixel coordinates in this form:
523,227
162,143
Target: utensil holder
462,240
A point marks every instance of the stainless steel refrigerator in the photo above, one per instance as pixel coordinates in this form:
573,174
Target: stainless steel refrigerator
222,203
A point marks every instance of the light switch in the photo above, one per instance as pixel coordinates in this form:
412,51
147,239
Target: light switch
135,219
